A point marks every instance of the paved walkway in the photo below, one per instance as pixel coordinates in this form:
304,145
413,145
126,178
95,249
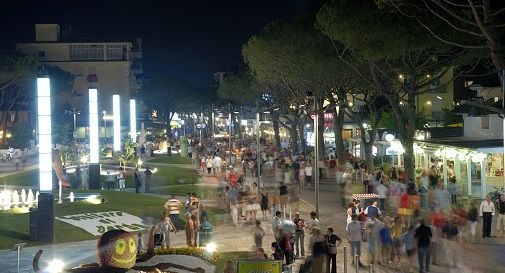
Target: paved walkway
9,168
485,256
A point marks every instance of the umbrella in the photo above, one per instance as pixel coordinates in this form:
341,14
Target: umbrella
288,226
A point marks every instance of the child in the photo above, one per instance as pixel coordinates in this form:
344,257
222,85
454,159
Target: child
258,233
139,243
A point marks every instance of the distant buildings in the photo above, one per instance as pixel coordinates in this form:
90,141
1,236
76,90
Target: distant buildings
111,65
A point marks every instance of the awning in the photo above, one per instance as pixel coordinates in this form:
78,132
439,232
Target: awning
360,196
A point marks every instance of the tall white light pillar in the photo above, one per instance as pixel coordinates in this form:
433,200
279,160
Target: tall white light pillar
133,120
94,167
44,134
117,123
93,126
44,222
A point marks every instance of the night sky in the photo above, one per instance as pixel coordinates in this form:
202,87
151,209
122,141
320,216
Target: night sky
187,38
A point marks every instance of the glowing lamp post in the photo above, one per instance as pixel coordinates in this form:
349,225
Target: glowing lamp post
44,134
133,120
117,123
43,219
94,167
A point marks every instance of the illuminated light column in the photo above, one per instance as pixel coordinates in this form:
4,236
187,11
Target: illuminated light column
44,134
133,120
44,222
117,123
94,167
93,126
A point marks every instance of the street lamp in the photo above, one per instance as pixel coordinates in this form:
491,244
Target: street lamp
133,120
229,132
94,167
117,123
45,215
105,124
316,148
74,113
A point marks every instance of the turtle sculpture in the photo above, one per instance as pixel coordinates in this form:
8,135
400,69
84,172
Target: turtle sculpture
117,253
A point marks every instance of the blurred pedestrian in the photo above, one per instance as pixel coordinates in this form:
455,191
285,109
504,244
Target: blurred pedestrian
317,247
299,235
172,206
500,222
423,236
190,230
355,235
258,233
332,242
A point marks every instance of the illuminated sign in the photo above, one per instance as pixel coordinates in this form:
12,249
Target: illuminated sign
260,266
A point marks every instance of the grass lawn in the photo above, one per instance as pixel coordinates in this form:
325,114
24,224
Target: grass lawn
165,176
14,228
27,178
174,159
204,192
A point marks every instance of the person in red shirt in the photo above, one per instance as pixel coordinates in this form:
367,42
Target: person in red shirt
233,177
332,163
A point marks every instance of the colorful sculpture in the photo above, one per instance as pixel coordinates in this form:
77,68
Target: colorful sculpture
117,253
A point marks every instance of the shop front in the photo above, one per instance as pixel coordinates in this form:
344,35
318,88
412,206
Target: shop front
475,165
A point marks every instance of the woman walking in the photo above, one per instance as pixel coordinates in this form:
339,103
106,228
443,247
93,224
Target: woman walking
316,245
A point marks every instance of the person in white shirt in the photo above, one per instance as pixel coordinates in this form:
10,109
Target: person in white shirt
487,210
308,174
313,222
277,224
382,191
217,162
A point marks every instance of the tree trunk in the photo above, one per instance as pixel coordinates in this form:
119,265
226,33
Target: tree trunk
277,137
301,135
338,129
368,147
236,124
293,134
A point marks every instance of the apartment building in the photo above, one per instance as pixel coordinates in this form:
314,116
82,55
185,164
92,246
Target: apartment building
111,65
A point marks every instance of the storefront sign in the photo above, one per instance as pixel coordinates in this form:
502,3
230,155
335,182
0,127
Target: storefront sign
263,266
98,223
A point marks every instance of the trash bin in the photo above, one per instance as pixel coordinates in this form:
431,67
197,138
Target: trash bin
205,233
33,224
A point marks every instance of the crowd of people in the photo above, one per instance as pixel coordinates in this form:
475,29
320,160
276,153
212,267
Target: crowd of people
406,219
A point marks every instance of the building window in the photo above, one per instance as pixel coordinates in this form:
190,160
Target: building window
42,54
485,122
86,52
117,52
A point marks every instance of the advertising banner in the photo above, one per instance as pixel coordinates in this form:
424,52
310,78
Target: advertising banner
98,223
260,266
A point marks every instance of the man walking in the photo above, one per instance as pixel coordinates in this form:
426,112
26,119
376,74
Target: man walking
372,211
148,177
500,223
299,235
331,241
487,212
172,206
355,235
382,191
423,236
